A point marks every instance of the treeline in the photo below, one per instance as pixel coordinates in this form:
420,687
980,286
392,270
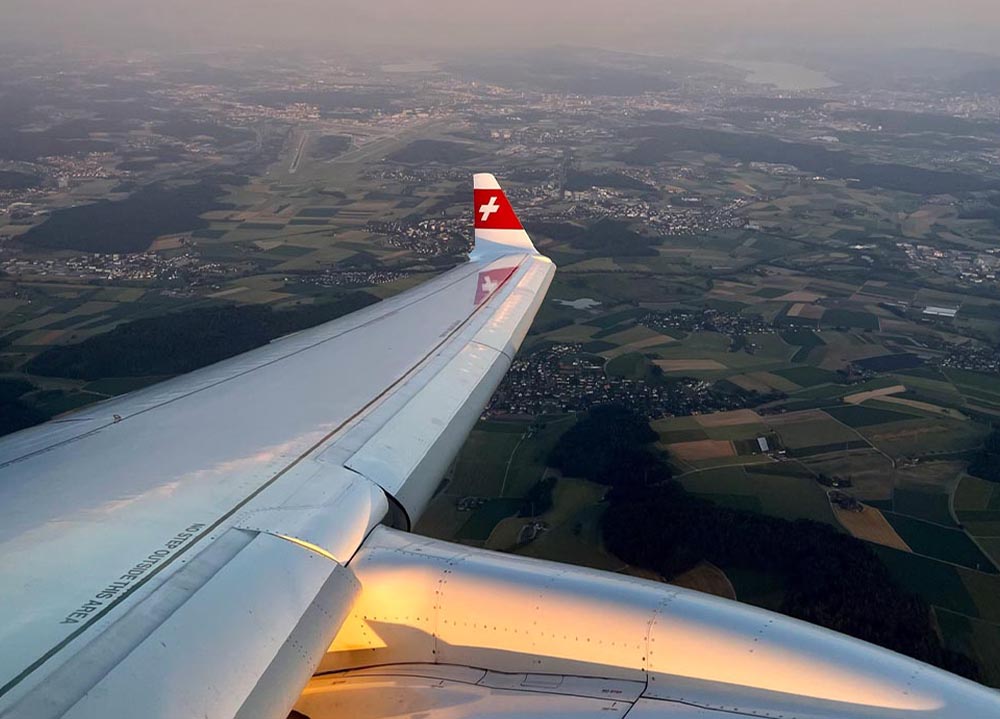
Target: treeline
610,445
15,413
184,341
605,238
420,152
831,579
578,180
129,225
988,209
10,180
986,463
538,500
662,142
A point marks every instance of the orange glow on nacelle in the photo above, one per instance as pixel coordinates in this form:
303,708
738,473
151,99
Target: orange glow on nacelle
512,615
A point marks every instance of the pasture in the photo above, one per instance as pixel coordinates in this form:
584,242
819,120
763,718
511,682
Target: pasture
871,526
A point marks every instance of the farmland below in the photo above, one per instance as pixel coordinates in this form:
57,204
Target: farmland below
795,292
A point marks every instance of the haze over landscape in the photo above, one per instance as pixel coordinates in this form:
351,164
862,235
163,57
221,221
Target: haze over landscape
660,26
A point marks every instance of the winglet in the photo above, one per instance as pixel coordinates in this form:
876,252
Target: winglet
498,231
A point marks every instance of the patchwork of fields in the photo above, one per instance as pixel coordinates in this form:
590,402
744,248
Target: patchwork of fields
846,409
764,318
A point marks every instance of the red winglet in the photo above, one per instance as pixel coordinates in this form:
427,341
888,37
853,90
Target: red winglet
493,211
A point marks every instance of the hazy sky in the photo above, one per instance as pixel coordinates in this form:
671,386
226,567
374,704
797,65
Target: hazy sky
648,25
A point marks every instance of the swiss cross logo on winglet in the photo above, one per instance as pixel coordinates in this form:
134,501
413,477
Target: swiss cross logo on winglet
493,212
490,281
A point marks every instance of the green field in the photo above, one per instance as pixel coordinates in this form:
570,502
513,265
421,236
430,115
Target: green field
818,449
862,416
682,435
825,392
990,545
743,432
939,583
779,495
504,459
482,463
926,505
574,533
770,292
808,376
616,318
985,640
502,427
802,338
937,542
850,318
930,437
815,432
977,505
977,386
976,494
485,518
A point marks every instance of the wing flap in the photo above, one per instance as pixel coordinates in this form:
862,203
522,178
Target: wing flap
247,612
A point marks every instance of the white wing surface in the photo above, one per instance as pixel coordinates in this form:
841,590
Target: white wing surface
140,534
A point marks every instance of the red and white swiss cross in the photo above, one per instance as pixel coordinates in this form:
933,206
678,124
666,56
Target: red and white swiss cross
490,281
493,212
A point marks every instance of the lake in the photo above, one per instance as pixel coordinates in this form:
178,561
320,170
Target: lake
785,76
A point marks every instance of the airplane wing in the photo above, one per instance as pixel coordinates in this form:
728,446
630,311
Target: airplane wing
212,545
161,549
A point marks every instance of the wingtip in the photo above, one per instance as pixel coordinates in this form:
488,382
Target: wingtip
498,232
485,181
